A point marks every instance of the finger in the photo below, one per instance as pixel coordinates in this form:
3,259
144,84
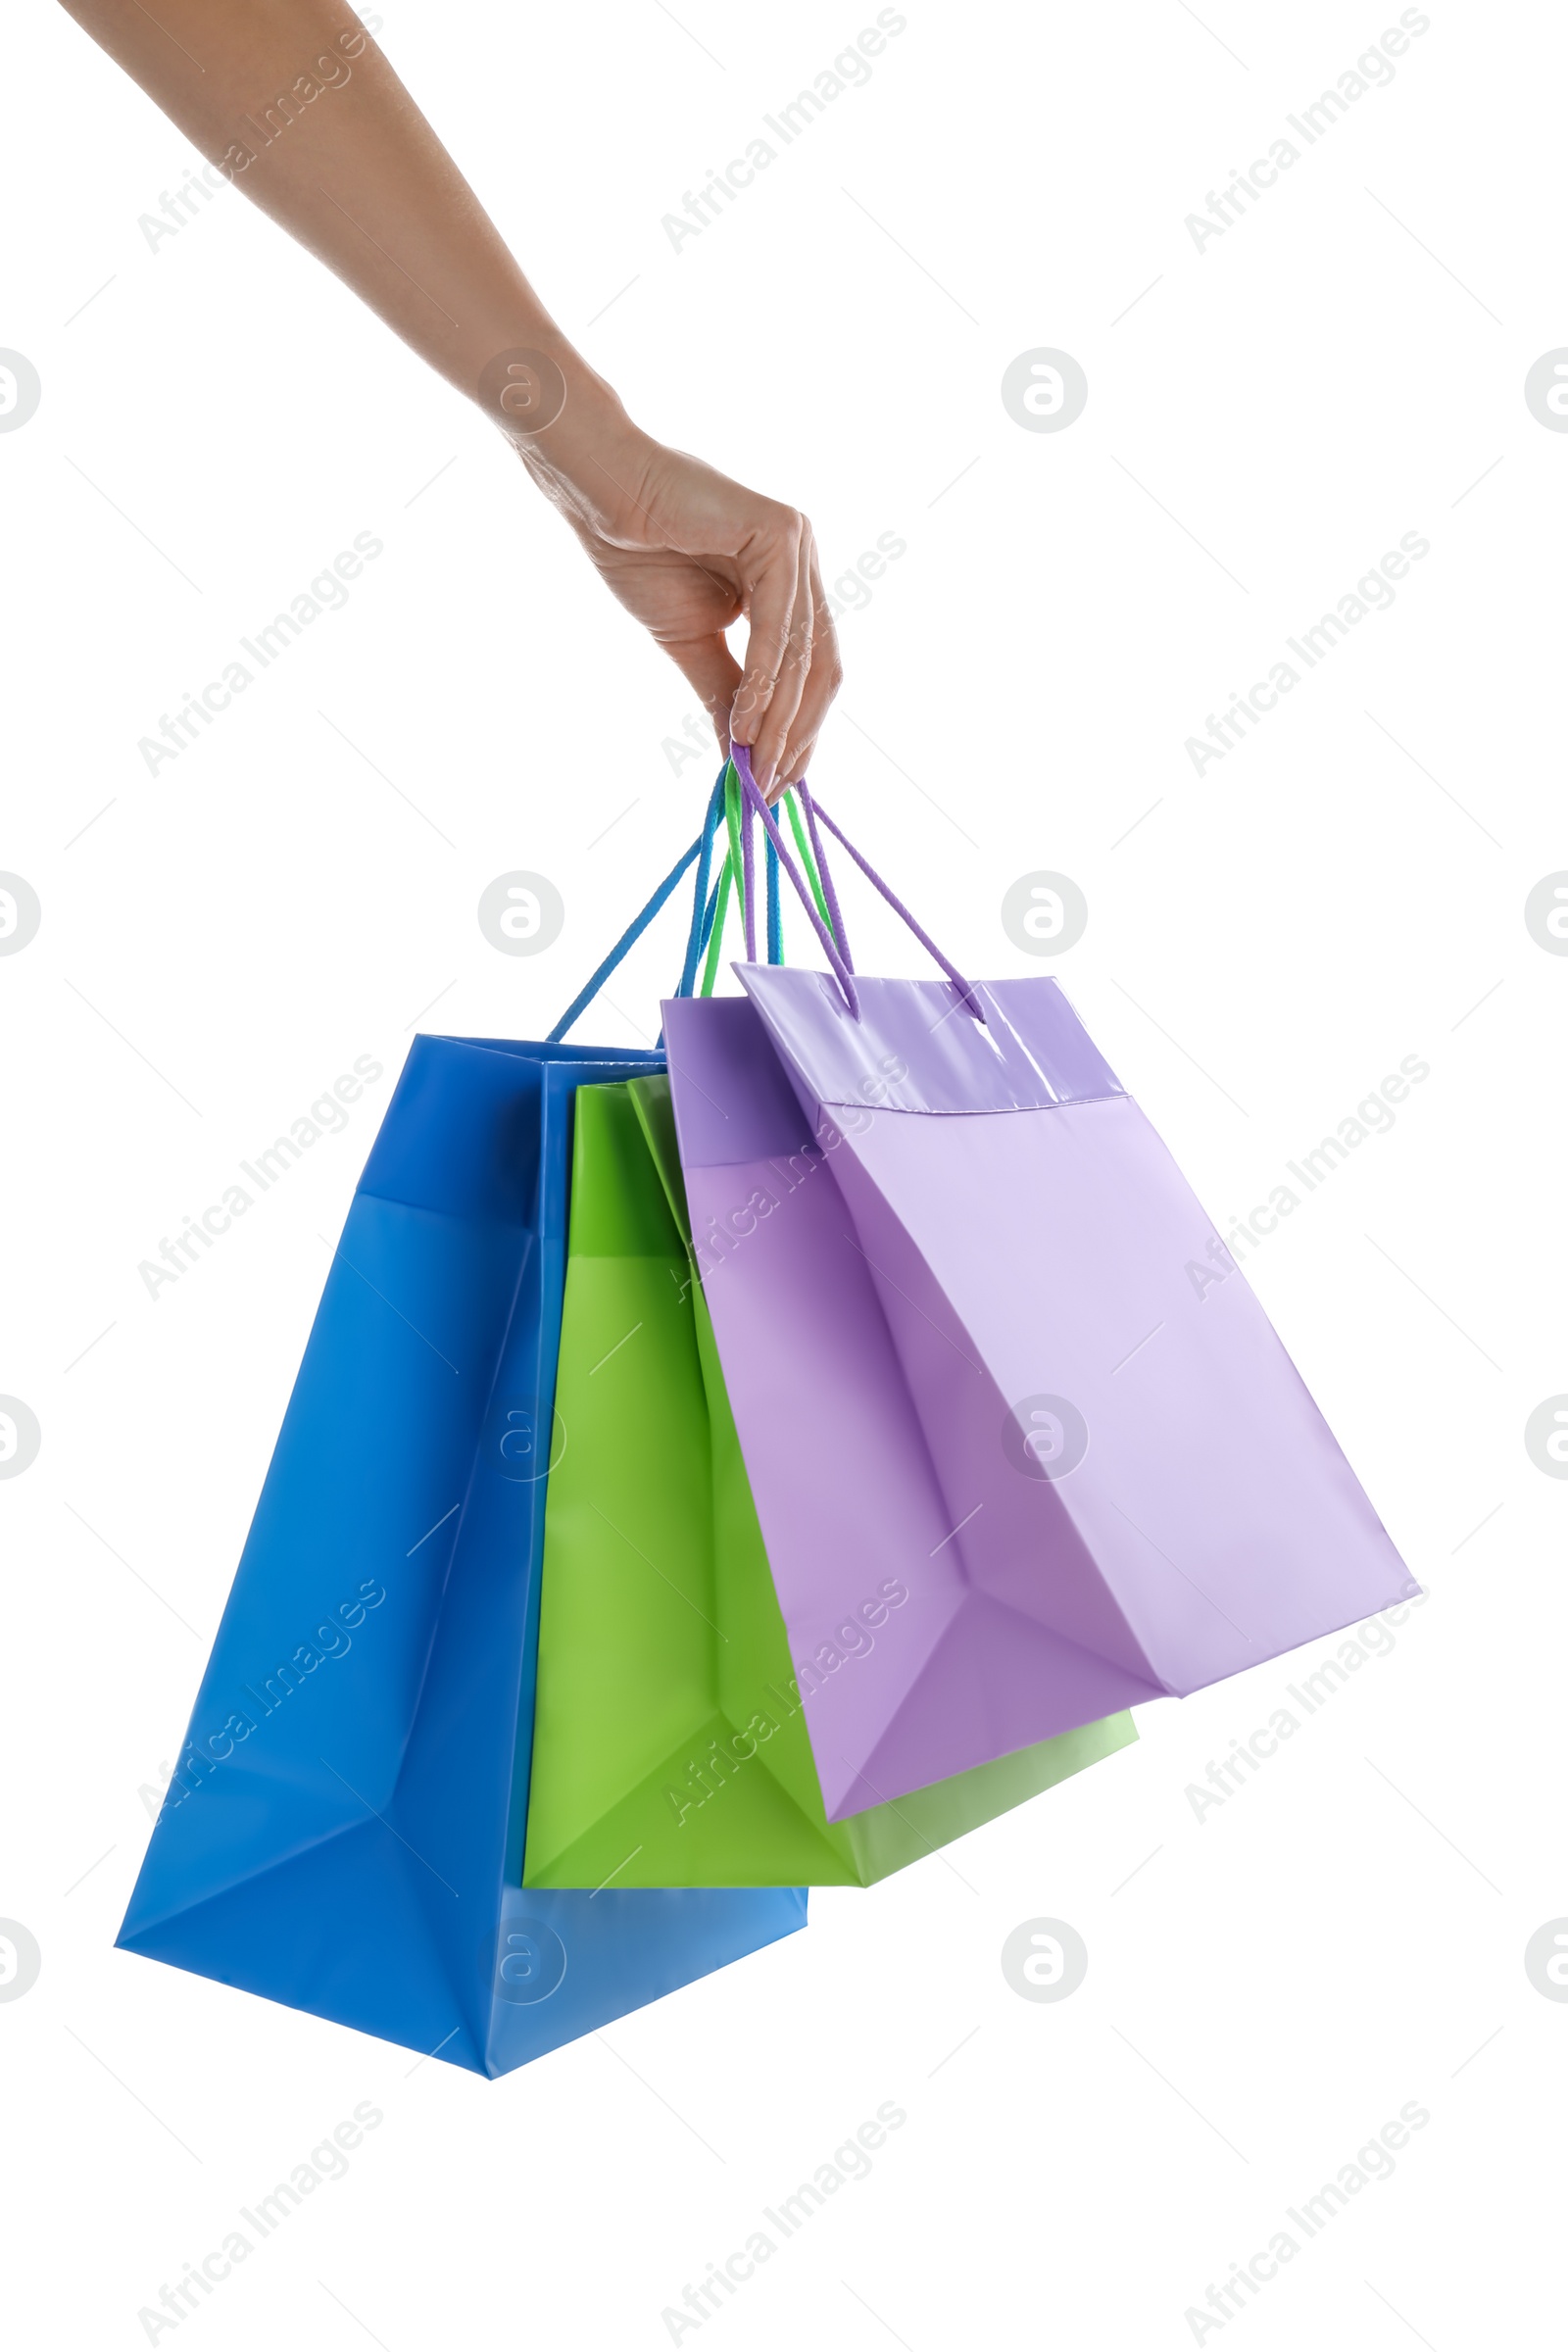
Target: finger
709,666
823,680
792,768
771,599
790,685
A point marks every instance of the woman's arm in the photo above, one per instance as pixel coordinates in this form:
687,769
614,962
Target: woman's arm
294,102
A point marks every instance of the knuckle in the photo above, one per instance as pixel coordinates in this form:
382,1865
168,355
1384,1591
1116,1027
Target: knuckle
791,526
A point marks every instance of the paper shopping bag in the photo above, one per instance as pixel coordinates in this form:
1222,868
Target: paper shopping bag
931,1217
345,1830
669,1745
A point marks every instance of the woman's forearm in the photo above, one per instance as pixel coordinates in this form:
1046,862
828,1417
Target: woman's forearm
296,105
293,101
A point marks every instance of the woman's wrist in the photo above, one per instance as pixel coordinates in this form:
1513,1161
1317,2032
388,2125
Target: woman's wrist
566,423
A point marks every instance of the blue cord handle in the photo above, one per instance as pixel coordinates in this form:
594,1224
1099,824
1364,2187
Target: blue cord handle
702,852
775,912
706,900
704,903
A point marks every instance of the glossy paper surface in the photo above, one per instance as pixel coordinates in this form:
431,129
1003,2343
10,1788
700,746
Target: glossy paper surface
346,1830
1021,1375
670,1748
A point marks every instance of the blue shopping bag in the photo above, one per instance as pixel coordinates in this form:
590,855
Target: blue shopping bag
345,1830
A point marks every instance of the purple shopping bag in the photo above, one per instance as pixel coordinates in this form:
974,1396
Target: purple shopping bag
1025,1449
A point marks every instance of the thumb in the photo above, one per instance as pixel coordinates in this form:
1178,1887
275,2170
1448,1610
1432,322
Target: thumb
707,665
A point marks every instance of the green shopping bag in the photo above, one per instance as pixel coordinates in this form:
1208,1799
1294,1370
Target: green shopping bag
670,1749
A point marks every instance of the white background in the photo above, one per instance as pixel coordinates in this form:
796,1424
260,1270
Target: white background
1343,366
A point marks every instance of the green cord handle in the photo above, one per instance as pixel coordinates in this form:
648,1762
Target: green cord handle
715,942
806,860
732,826
730,873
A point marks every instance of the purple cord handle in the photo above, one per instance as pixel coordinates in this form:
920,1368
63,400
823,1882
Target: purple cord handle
838,955
751,798
747,900
824,874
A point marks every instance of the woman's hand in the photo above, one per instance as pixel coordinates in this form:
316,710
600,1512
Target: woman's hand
689,552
